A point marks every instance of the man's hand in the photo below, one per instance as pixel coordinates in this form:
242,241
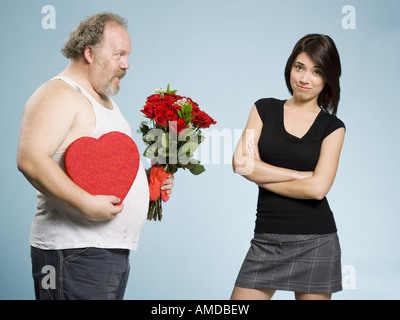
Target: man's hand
168,184
102,208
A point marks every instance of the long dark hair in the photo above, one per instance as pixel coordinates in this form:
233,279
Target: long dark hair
322,50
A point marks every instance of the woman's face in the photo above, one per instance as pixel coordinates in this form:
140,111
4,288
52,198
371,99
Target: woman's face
306,78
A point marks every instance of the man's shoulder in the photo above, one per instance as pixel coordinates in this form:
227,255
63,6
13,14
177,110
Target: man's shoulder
57,93
56,89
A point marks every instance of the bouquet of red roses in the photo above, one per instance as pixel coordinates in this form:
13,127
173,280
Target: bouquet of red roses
172,136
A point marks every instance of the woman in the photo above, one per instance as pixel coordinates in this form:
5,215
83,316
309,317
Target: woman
291,150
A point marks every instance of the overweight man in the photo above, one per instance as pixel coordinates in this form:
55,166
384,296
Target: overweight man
82,240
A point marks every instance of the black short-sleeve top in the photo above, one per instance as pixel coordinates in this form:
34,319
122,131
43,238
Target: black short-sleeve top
280,214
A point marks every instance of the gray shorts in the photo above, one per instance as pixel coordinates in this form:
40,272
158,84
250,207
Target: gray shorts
299,263
80,274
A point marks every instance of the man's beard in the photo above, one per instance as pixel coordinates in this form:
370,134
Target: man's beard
110,89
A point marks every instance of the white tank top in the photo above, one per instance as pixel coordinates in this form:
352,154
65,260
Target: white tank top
57,227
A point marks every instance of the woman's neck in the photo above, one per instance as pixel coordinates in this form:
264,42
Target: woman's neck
305,105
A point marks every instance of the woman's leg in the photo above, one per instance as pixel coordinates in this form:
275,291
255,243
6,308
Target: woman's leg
310,296
240,293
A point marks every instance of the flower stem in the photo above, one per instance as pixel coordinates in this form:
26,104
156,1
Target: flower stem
155,210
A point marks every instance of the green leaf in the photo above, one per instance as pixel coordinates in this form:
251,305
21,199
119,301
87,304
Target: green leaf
171,168
187,109
171,91
144,128
195,169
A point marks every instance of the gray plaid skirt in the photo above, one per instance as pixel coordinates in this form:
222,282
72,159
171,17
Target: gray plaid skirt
299,263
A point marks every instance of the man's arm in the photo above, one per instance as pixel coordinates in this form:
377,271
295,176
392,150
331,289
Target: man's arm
48,118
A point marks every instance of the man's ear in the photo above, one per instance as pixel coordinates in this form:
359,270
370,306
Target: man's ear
88,54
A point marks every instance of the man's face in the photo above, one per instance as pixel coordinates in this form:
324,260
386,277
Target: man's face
111,60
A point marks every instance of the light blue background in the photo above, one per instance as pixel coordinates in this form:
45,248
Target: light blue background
225,54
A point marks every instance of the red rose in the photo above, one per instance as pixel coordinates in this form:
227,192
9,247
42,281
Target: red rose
178,126
170,98
177,106
161,115
148,110
195,107
203,120
171,114
154,99
165,113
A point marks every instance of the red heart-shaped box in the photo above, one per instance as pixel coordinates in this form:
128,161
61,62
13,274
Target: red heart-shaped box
104,166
